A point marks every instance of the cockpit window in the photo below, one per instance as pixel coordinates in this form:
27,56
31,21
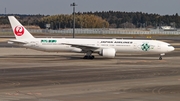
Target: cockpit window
170,46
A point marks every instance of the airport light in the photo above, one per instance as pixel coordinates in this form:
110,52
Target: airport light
5,11
73,5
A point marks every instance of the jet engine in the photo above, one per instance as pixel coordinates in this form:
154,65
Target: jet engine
76,50
108,53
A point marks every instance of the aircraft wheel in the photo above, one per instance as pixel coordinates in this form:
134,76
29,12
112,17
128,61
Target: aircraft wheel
92,57
88,57
160,58
85,57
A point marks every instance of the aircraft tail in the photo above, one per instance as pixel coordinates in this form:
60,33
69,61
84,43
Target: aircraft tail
19,30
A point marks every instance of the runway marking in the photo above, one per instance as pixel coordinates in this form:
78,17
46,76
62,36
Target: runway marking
12,94
159,91
18,93
16,83
154,90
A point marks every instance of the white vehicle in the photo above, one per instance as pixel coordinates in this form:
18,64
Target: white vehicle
104,47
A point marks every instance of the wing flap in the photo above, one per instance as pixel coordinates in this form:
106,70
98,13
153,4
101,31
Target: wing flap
83,47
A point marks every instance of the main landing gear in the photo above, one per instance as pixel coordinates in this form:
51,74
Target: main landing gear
89,55
160,57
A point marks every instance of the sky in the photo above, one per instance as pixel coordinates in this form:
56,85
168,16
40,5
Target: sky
54,7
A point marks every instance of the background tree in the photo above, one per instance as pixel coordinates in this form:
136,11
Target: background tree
66,21
112,19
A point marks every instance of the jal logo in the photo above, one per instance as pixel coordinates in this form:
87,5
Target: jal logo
19,30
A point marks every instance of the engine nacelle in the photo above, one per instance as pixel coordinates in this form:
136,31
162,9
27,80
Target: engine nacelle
76,50
108,53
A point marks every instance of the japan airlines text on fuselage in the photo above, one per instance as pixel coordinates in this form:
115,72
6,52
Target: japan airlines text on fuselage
104,47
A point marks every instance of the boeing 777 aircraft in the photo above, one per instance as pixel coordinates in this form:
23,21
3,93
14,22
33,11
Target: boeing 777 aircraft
104,47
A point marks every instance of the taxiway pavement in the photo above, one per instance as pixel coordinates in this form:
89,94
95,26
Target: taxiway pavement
29,75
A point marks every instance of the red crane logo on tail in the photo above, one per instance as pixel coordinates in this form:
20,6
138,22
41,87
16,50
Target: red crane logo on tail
19,30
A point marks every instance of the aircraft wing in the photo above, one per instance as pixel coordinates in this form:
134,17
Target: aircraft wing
83,47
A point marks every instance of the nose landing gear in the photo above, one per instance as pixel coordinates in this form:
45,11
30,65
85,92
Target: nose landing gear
160,57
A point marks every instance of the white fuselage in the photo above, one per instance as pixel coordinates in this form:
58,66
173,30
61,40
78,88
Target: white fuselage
120,45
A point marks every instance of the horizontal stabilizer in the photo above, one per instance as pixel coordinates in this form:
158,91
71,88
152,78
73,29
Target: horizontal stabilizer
16,42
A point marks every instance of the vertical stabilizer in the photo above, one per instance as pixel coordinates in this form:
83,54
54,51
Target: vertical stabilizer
19,30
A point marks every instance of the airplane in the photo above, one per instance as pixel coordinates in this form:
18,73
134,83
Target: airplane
104,47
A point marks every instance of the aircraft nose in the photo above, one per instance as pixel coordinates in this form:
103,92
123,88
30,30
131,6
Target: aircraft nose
171,48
